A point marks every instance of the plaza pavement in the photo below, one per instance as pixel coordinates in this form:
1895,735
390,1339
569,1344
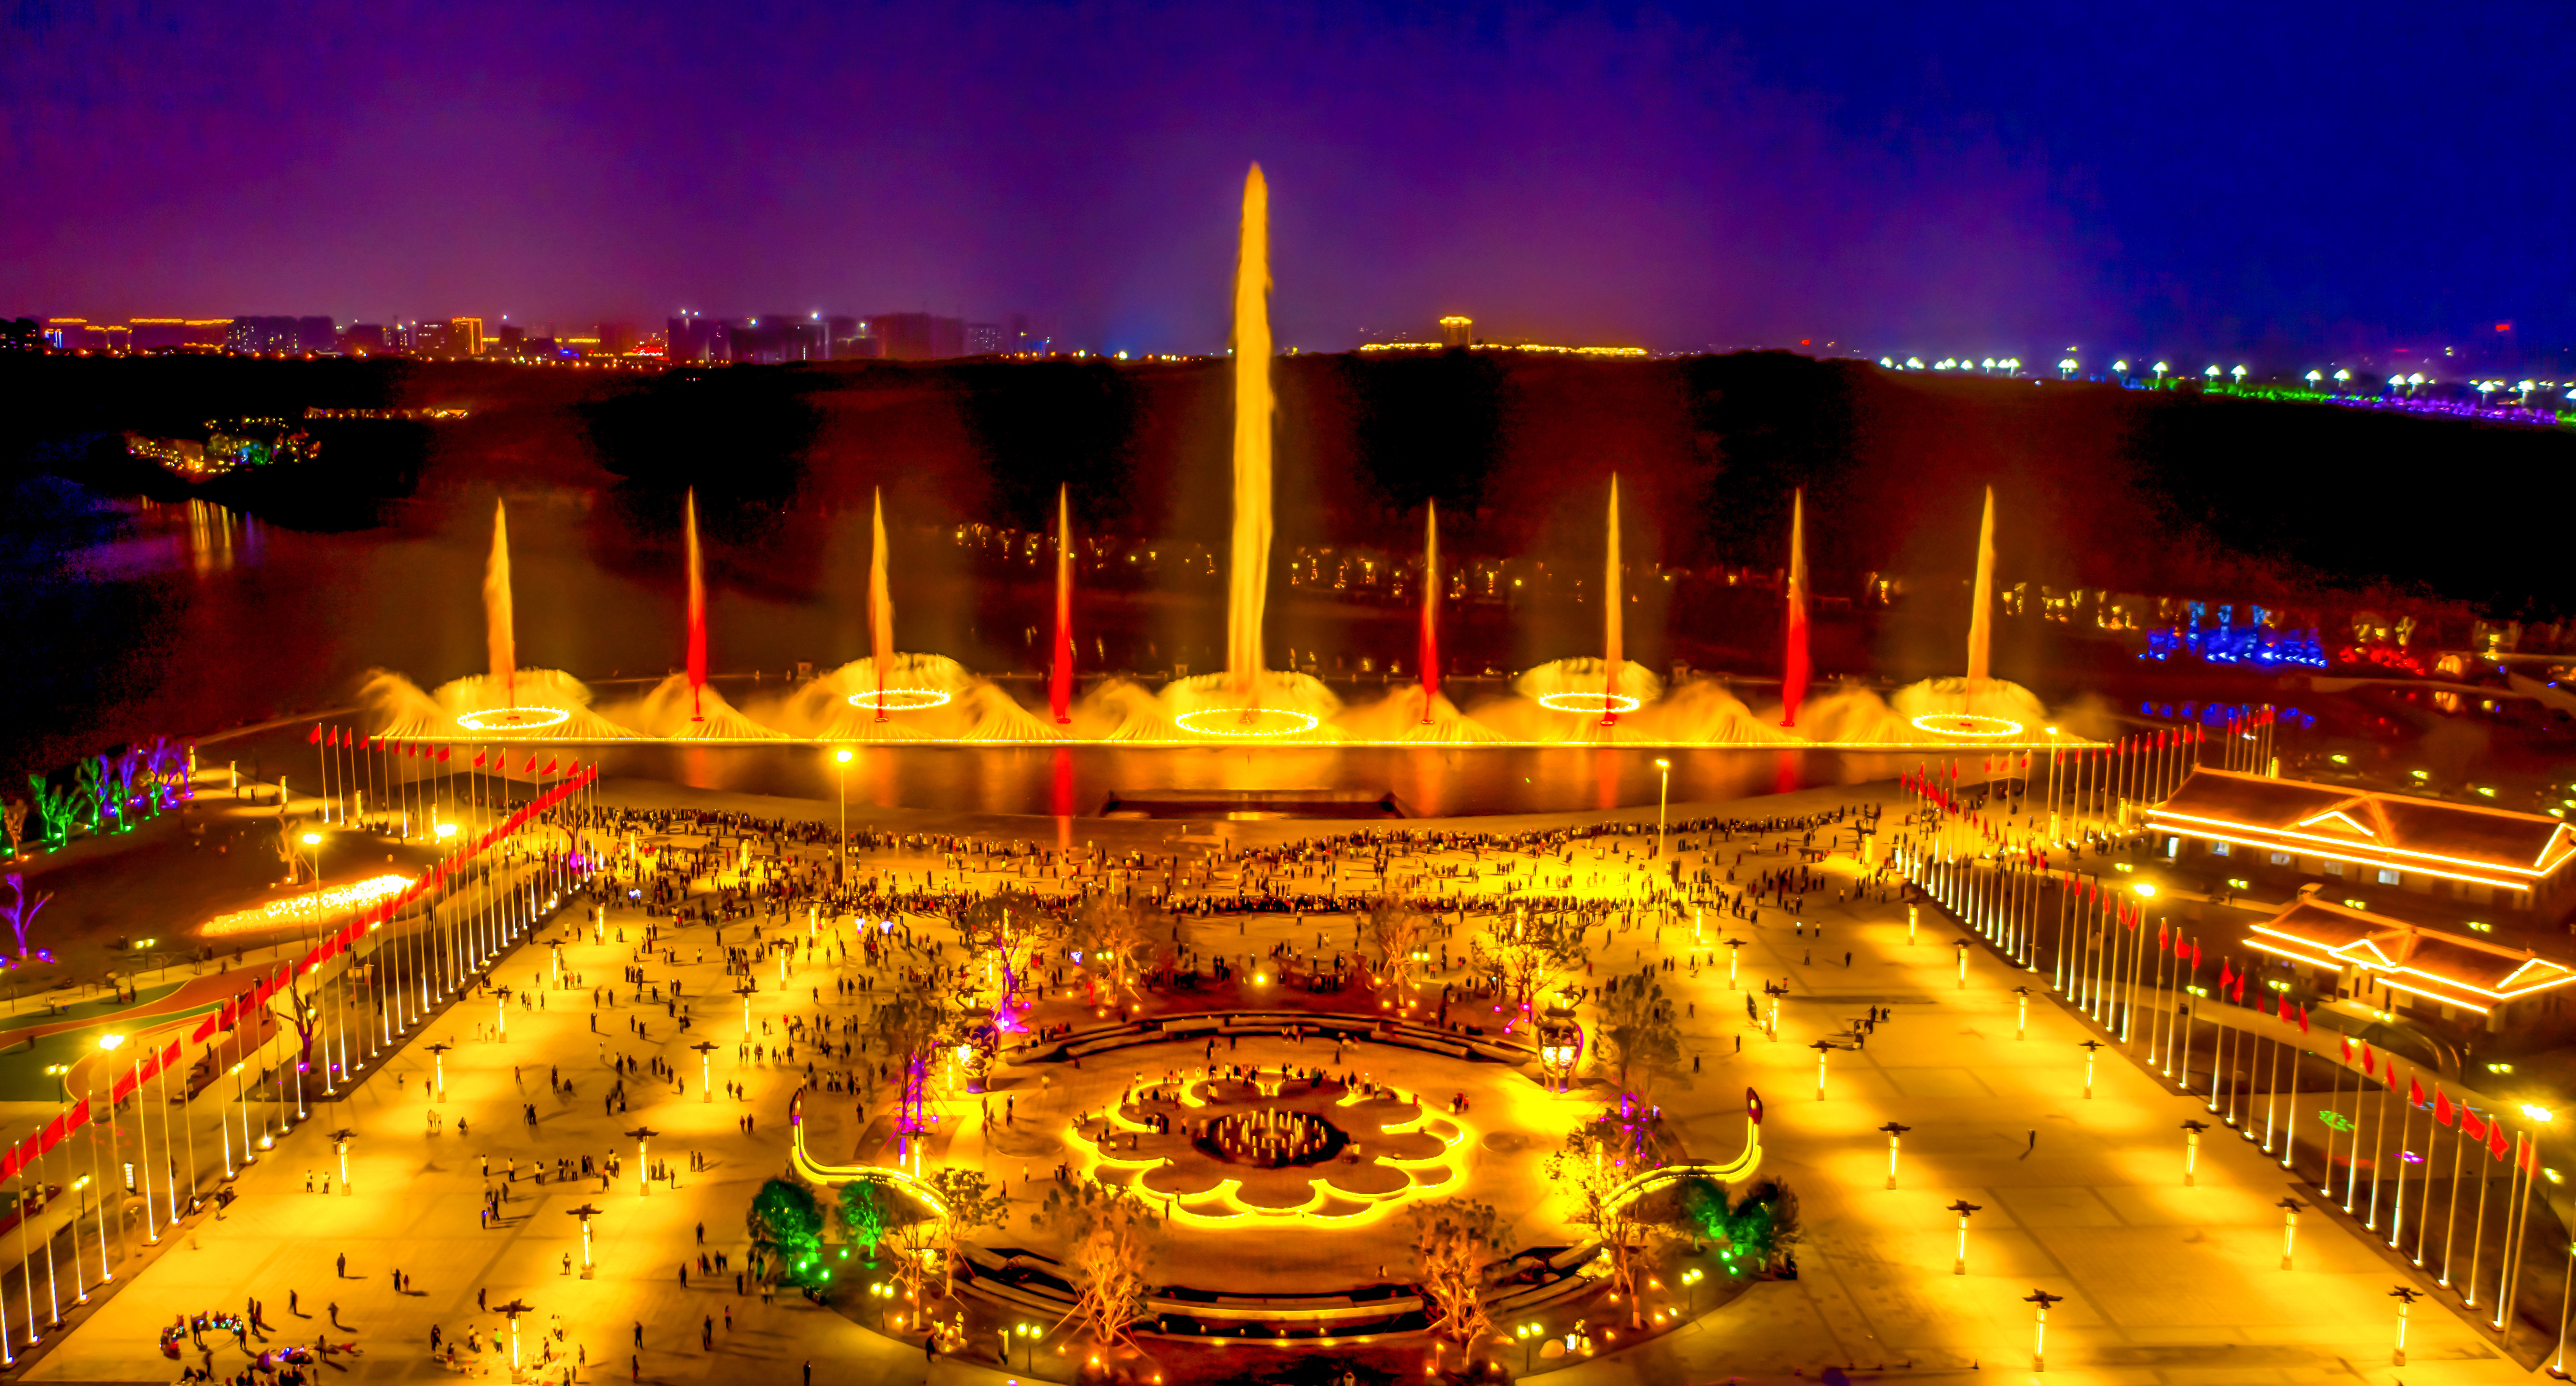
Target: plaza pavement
2164,1284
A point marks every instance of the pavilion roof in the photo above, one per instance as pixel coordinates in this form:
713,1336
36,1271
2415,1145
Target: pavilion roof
2456,969
2492,846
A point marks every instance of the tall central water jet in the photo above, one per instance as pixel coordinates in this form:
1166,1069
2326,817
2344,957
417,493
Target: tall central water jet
498,637
1429,653
1250,577
1793,673
880,607
1612,655
1981,630
697,611
1060,679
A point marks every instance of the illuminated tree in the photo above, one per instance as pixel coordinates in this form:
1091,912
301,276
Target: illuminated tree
1004,929
786,1234
90,793
969,1202
13,817
1526,956
909,1026
290,848
1455,1243
1120,944
1105,1227
1636,1031
19,913
866,1209
1599,1160
57,808
1397,932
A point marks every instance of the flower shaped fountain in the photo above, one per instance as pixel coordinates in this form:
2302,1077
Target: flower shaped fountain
1226,1150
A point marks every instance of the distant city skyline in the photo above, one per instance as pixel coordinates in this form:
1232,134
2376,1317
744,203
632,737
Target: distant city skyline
1661,176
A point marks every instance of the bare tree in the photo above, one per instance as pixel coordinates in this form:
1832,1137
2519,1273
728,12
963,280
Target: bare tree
969,1202
1005,930
1120,943
1526,956
1105,1228
1599,1159
1455,1242
1636,1031
1397,931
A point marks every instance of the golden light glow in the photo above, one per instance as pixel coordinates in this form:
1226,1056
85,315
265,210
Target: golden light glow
1966,724
1588,704
306,906
1250,722
899,699
2172,817
508,719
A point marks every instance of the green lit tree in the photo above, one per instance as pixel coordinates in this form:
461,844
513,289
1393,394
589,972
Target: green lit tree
787,1235
56,809
866,1210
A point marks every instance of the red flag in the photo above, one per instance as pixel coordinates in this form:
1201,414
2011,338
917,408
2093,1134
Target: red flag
2224,975
2368,1062
2292,1014
2238,995
442,754
2195,955
550,765
2347,1047
2303,1020
2443,1111
2496,1144
479,757
2414,1092
316,738
2472,1126
2390,1077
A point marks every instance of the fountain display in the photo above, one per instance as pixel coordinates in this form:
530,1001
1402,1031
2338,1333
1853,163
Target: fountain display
931,699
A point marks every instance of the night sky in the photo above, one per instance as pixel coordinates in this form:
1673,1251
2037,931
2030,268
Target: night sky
2276,181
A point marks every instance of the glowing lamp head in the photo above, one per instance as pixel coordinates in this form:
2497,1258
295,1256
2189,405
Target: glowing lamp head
2537,1113
313,839
841,756
447,830
1663,765
2146,890
110,1041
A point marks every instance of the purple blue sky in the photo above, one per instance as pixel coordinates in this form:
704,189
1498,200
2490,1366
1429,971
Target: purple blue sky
1902,177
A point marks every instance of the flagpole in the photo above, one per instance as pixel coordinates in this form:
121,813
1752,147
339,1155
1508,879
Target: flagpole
2272,1096
2451,1202
2057,961
2186,1006
322,759
2334,1104
2432,1142
2378,1149
2478,1233
2397,1199
2527,1161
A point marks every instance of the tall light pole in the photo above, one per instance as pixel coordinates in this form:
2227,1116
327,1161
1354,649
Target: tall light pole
2290,1230
2021,1020
438,1057
1962,946
340,1143
643,1138
2039,1339
1822,1048
1663,796
1963,1208
585,1212
2405,1297
706,1070
2191,1161
1893,1130
2092,1050
841,791
514,1309
744,991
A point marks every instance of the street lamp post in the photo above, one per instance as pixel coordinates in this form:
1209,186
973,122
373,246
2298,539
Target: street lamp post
1692,1277
1531,1335
2021,1018
2191,1159
1963,1208
1663,796
841,792
2092,1051
706,1070
1822,1048
2405,1297
340,1144
2039,1338
585,1212
1913,917
643,1136
744,991
438,1058
501,1014
1734,952
1962,946
2289,1228
1893,1130
514,1309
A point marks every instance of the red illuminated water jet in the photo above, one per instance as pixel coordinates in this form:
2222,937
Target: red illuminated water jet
1793,674
697,611
1429,654
1060,681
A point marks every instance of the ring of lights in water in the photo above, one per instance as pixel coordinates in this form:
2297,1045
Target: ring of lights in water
1966,724
1249,721
1271,1138
506,719
899,699
1590,704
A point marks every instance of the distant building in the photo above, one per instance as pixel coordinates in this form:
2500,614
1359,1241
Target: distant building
920,336
321,336
615,338
262,334
986,339
852,339
465,336
363,339
1457,331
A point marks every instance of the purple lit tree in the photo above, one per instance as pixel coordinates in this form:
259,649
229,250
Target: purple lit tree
21,912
